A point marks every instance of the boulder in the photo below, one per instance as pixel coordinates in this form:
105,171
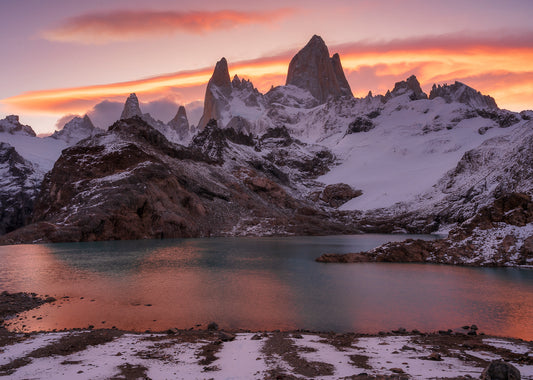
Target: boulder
500,370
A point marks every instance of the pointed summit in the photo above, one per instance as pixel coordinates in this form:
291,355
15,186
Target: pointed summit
131,107
180,123
220,77
218,89
312,69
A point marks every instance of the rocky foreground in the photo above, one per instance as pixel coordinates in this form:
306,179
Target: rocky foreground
498,235
214,354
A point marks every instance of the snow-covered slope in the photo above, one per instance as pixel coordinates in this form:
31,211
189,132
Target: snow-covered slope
411,146
75,130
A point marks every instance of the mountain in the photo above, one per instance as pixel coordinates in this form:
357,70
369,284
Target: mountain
131,108
75,130
313,70
303,158
12,125
180,124
19,185
224,183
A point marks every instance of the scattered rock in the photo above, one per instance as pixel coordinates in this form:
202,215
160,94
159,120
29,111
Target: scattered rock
226,337
213,326
338,194
435,356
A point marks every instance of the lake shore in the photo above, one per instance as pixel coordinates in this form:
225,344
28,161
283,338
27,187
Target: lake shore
211,353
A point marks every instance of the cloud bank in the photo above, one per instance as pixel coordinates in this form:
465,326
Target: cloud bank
122,25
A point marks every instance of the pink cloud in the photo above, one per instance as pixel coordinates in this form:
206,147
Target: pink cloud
122,25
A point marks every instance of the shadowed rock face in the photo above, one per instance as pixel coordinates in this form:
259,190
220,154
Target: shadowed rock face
218,89
312,69
344,86
180,123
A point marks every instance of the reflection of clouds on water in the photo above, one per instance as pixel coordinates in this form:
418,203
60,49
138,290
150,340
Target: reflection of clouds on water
260,283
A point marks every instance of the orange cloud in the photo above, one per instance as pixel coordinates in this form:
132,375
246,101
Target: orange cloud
123,25
500,67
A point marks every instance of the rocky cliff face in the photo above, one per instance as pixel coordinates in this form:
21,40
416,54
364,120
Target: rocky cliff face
19,185
312,69
216,94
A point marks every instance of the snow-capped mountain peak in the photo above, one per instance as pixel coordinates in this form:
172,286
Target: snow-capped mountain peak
75,130
12,125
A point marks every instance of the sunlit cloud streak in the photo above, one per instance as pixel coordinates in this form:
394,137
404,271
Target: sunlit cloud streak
121,25
498,66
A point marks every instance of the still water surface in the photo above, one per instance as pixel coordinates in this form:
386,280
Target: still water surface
260,283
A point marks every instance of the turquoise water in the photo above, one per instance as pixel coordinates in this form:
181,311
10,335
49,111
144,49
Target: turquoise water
259,283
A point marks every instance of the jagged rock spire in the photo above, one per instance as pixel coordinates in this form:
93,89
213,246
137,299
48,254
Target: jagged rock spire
344,86
220,77
411,85
180,123
218,88
312,69
131,107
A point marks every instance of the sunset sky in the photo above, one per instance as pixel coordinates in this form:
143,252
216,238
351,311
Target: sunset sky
63,57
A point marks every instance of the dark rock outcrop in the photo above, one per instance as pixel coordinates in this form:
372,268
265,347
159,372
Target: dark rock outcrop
500,370
338,194
360,124
312,69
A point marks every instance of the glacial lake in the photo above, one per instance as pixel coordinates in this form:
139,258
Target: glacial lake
259,284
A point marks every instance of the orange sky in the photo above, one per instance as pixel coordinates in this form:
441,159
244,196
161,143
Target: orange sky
504,72
69,56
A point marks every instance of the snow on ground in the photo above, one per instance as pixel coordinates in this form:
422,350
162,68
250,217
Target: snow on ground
161,356
43,152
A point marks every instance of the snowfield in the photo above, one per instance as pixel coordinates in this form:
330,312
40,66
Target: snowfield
253,356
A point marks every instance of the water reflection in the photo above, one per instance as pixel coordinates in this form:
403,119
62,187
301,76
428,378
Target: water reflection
265,283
